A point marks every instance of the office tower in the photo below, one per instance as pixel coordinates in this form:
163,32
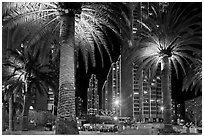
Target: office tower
92,96
147,97
116,87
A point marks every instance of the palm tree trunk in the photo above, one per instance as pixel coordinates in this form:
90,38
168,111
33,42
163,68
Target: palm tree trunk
66,117
11,122
3,115
165,80
26,106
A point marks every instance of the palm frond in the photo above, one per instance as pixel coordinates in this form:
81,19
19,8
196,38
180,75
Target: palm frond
193,79
39,19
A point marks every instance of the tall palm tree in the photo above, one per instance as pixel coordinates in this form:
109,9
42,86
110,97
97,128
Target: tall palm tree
22,72
76,26
167,38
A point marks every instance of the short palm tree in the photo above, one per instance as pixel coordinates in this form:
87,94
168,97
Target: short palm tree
14,98
168,38
76,26
22,72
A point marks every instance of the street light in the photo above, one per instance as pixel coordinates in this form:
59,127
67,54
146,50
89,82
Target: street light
115,118
116,102
162,108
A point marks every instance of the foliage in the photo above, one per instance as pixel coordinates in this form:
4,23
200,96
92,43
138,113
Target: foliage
41,117
193,80
40,24
98,120
23,73
21,66
64,126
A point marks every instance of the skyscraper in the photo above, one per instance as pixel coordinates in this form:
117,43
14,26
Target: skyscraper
92,96
147,97
111,90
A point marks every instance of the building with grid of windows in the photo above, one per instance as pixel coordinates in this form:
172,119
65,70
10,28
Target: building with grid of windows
147,97
92,96
141,99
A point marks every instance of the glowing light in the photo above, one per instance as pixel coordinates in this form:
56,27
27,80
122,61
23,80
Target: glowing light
162,108
115,118
116,102
31,107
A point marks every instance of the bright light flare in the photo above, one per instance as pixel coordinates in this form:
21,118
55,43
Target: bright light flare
116,102
162,108
115,118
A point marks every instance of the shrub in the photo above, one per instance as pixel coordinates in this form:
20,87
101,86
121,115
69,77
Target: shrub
64,126
41,117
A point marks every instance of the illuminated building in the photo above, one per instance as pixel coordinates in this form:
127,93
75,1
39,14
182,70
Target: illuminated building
147,97
79,106
111,101
92,96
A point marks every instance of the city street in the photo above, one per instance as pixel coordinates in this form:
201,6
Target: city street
124,132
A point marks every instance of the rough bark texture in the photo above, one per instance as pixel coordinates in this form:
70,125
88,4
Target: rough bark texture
66,117
3,116
11,122
165,81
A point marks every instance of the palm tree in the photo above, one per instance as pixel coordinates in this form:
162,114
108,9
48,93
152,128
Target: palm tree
14,98
5,99
22,72
167,38
76,26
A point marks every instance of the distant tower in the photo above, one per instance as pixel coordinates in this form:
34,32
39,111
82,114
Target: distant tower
92,96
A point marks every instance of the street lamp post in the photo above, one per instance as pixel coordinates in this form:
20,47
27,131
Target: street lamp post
162,109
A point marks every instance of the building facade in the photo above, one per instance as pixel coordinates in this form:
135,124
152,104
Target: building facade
92,96
147,97
111,96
